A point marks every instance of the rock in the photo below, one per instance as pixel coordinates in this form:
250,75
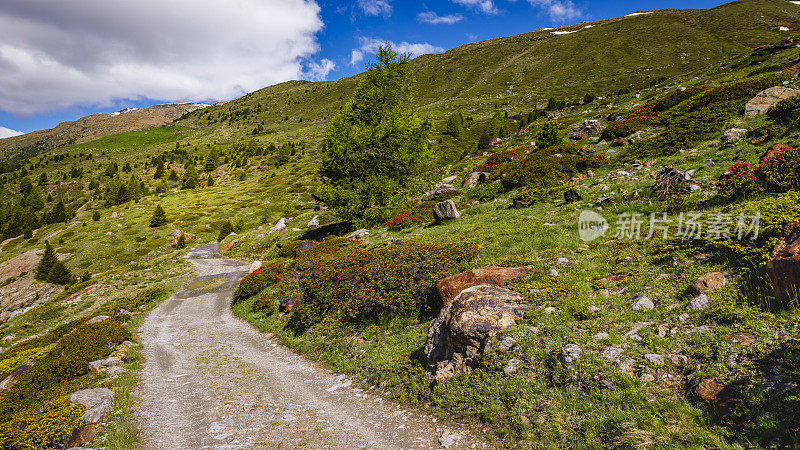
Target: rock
709,390
451,286
612,353
474,179
662,330
768,98
733,135
699,303
620,142
101,365
278,228
449,180
549,310
313,224
511,366
783,267
562,261
679,360
586,129
647,378
571,353
634,331
96,319
572,196
254,266
601,336
10,379
449,438
458,337
741,338
710,282
304,246
439,190
552,273
507,343
358,234
98,402
653,358
445,210
643,303
627,366
683,318
288,304
5,316
82,435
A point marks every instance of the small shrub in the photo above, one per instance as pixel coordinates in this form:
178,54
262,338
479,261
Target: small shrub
269,274
485,192
739,181
225,231
96,216
548,136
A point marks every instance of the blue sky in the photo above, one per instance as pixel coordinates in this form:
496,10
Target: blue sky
117,56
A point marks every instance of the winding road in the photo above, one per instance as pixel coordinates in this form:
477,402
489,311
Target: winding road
211,380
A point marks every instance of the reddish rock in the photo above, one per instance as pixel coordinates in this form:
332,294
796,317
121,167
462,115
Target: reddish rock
82,436
620,142
774,150
288,304
10,379
710,282
451,286
709,390
304,246
741,338
783,267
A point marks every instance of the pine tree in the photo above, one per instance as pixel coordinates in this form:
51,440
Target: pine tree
173,176
227,228
46,263
548,136
212,160
190,177
181,242
159,171
159,217
96,216
59,274
455,126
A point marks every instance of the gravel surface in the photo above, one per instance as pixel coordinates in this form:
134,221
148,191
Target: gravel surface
213,381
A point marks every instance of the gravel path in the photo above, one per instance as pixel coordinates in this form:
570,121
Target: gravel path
213,381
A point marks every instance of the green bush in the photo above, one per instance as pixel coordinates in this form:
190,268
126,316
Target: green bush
546,168
343,281
485,192
548,136
269,274
786,112
227,229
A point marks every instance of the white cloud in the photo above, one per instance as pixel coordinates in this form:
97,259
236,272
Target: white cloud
371,45
435,19
376,7
485,6
55,55
558,10
8,132
318,71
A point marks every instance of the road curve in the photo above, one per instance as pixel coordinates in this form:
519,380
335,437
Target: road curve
211,380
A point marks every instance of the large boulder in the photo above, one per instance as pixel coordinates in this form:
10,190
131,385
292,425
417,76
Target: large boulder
451,286
783,267
732,135
474,179
445,210
586,129
438,191
98,402
11,379
768,98
459,337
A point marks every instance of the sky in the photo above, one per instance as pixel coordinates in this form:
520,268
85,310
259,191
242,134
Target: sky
61,60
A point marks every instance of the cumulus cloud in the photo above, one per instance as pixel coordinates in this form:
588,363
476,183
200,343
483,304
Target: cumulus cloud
376,7
8,132
558,10
484,6
318,71
435,19
97,52
370,46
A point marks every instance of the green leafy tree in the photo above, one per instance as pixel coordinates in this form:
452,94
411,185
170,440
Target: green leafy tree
159,217
548,136
375,145
46,263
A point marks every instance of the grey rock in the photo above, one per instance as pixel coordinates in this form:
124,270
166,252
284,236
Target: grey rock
699,303
571,353
358,234
445,210
511,366
278,227
507,343
439,189
313,224
98,402
733,135
592,309
643,303
653,358
474,179
768,98
254,266
552,273
562,261
96,319
449,438
627,366
612,353
601,336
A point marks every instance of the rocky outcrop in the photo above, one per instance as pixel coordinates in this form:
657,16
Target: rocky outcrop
254,266
313,224
474,179
98,402
10,379
438,191
450,287
571,195
586,129
768,98
278,228
102,366
709,282
461,334
445,210
783,267
732,135
620,142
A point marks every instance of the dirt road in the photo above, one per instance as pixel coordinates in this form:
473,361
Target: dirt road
213,381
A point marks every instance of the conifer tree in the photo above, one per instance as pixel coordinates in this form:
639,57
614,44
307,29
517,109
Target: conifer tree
227,228
159,171
159,217
46,263
59,274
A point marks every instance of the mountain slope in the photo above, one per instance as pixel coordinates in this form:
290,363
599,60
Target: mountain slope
93,127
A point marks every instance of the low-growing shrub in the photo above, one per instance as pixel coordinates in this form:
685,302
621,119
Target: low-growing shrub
786,112
499,159
485,192
739,181
267,275
549,167
637,120
49,428
343,281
